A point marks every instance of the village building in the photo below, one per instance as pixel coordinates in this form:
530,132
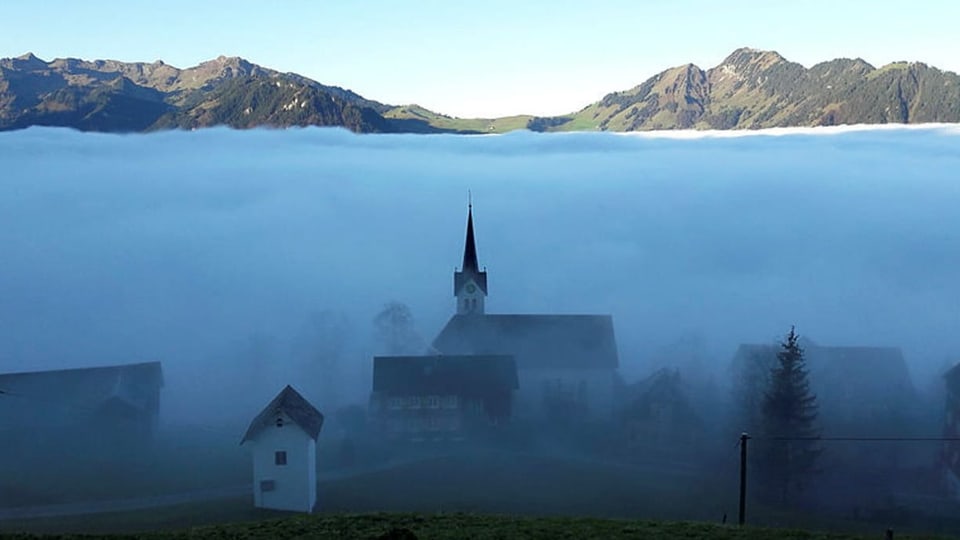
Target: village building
442,398
92,405
950,456
566,364
283,438
860,392
657,419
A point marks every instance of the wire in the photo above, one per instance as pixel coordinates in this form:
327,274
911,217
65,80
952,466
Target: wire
860,439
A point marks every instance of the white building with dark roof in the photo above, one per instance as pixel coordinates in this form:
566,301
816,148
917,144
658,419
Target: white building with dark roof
284,447
566,364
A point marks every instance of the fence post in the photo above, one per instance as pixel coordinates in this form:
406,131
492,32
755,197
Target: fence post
743,478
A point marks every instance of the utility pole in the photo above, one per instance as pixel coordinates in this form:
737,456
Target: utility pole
743,478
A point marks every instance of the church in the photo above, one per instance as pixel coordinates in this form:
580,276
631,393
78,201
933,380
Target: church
566,364
484,369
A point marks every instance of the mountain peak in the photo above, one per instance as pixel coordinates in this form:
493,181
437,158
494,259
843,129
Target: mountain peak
232,61
29,60
747,55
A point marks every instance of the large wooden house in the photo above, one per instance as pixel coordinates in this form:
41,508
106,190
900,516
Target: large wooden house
441,397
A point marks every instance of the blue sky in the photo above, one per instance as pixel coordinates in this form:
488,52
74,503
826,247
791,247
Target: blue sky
482,58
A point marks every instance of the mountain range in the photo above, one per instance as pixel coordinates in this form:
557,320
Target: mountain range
750,89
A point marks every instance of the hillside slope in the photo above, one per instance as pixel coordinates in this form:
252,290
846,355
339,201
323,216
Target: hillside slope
754,89
750,89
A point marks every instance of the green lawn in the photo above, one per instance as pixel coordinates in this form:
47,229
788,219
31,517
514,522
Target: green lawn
474,526
178,461
451,494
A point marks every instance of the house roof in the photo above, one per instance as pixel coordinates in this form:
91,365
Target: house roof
80,391
537,341
291,403
854,379
441,374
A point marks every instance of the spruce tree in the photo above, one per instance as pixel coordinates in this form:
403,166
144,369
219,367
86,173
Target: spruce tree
789,454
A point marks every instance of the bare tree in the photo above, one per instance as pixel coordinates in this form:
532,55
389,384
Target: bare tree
395,331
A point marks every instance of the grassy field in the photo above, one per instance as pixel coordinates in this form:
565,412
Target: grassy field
474,526
449,123
176,462
453,491
462,487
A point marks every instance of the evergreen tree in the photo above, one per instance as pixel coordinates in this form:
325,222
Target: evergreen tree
789,455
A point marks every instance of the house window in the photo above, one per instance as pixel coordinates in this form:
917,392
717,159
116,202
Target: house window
280,421
395,403
414,402
433,402
280,457
449,402
267,485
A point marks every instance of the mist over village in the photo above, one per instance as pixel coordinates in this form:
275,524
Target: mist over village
576,324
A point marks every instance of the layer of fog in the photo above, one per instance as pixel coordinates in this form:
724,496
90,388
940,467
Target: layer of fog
207,248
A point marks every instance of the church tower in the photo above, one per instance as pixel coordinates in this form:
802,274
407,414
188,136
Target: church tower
470,284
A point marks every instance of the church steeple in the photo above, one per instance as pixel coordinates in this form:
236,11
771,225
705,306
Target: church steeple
470,247
470,284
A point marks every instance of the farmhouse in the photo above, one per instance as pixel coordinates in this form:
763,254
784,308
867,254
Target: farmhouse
566,364
106,403
284,447
441,397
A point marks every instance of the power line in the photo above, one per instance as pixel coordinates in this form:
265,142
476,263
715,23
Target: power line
859,439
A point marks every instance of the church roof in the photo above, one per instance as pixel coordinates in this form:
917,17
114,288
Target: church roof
291,403
460,374
537,341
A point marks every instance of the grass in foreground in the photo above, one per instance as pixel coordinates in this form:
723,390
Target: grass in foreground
459,526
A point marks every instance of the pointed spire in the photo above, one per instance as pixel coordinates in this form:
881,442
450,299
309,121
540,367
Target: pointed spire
470,263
